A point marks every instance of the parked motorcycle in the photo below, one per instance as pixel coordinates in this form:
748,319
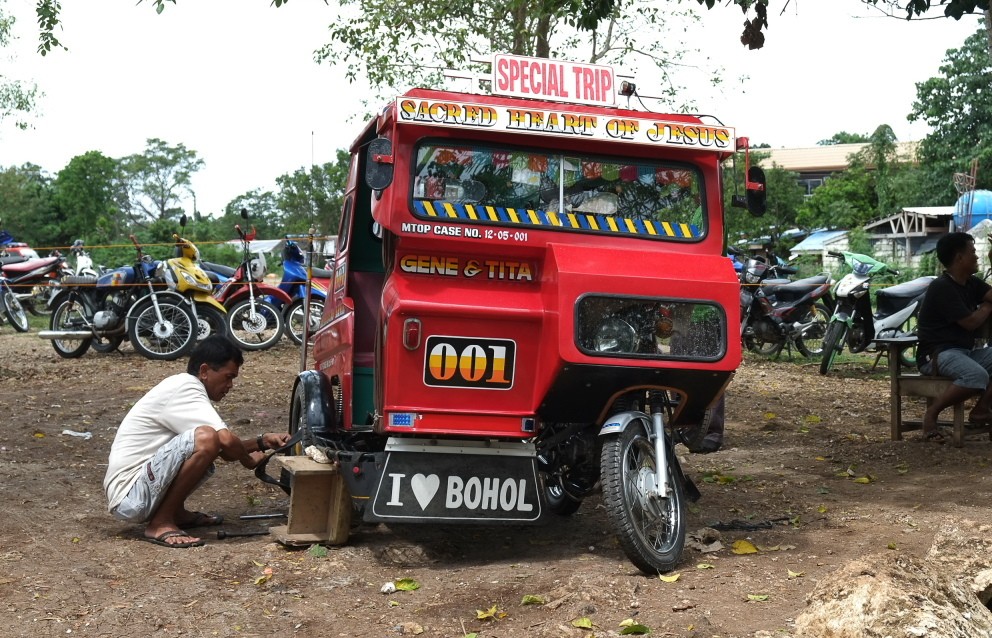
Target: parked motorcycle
126,301
777,313
252,322
84,263
183,272
853,323
11,308
294,283
35,281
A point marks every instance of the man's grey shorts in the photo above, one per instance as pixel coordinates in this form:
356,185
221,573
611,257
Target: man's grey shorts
155,478
969,368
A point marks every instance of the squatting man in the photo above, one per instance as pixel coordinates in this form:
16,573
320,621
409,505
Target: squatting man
167,443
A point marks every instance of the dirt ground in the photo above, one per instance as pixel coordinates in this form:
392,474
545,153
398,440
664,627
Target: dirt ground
807,464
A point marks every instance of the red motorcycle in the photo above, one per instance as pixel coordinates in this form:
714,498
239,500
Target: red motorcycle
34,280
253,322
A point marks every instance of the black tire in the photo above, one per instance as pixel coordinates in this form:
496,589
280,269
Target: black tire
209,321
810,342
907,356
68,316
11,307
169,340
293,318
106,345
833,343
651,531
257,328
557,499
754,343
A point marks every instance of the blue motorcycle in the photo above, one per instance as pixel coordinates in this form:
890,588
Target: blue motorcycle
294,284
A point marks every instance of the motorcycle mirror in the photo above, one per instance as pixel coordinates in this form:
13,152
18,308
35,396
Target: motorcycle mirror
182,221
756,195
379,164
244,213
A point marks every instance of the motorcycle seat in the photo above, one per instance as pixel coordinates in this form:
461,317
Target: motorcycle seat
906,289
78,280
13,259
221,269
798,288
28,265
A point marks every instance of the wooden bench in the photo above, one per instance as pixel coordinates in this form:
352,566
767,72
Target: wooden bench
913,384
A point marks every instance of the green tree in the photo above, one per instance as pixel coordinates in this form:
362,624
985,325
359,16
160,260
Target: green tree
843,137
158,180
26,208
87,195
957,105
314,199
383,42
17,99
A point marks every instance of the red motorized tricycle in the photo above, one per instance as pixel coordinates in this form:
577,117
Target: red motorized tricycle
530,303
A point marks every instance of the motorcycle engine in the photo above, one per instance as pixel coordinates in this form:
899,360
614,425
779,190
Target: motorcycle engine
766,330
105,319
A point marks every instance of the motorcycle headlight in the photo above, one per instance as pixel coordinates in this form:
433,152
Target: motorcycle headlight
615,335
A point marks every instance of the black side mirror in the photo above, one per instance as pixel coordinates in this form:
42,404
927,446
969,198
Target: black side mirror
379,164
244,213
756,194
182,221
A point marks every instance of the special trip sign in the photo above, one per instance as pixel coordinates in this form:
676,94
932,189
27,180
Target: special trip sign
563,123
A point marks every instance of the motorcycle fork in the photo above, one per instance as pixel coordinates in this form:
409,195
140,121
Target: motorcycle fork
663,489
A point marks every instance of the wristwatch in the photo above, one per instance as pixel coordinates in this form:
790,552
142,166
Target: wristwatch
260,443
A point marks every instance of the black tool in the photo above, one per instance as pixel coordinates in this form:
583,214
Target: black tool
252,517
225,534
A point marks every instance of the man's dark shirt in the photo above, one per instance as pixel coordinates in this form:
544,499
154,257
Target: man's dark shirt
946,303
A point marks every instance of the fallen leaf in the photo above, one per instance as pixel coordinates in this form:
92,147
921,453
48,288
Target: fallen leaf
793,574
530,599
812,418
770,415
704,566
582,623
822,509
317,551
743,547
758,597
407,584
669,579
891,546
864,480
488,614
635,630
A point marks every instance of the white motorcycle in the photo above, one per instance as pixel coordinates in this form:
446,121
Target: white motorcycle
853,322
84,263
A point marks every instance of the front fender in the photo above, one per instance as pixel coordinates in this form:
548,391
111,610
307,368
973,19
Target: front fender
618,422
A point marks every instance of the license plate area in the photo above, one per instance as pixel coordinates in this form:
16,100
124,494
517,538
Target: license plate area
457,481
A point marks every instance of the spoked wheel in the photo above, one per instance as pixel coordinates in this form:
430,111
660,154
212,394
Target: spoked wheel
651,529
209,321
756,344
833,343
166,340
255,326
294,318
12,309
810,342
68,317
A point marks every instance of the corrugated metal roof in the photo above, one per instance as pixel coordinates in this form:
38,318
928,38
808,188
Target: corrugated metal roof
816,241
931,211
828,158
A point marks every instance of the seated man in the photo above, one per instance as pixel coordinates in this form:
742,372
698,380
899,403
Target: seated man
956,304
167,443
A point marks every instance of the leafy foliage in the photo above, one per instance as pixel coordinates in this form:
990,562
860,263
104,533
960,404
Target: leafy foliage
158,181
957,105
17,99
843,137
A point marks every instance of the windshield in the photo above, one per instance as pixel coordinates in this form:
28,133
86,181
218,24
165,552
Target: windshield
492,185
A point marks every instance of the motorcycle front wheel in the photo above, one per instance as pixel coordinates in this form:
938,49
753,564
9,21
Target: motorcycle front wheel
651,529
293,318
68,317
165,340
12,309
810,342
833,343
254,325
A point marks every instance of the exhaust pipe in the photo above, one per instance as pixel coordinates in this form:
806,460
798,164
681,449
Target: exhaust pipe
65,335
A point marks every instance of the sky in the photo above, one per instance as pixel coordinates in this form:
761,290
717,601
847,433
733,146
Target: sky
235,81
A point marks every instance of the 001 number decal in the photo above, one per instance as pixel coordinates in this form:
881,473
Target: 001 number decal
460,362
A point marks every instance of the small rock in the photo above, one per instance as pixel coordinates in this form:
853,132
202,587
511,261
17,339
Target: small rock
388,588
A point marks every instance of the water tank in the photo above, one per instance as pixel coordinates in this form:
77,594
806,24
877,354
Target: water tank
981,208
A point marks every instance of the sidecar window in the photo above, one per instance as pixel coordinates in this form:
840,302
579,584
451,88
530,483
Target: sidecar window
513,187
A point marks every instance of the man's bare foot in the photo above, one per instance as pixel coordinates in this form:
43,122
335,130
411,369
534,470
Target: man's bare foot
166,535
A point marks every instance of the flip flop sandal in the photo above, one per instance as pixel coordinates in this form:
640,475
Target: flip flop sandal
202,519
162,539
934,436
